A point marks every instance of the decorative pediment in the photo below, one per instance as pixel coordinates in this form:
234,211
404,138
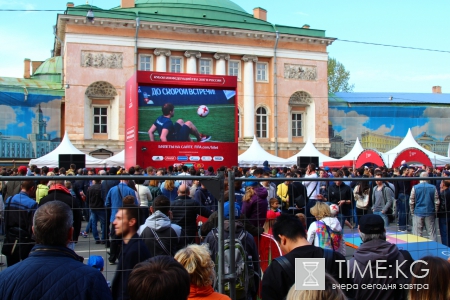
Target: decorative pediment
101,89
300,99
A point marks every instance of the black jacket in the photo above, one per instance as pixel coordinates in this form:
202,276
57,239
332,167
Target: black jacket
94,196
276,281
184,213
132,253
295,189
402,186
340,192
60,194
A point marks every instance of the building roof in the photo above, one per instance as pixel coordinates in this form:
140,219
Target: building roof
213,13
12,84
49,70
398,98
219,4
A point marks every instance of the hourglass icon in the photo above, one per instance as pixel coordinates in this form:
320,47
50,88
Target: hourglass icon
310,267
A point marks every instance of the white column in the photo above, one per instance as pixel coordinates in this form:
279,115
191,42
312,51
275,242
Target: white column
191,64
221,58
161,61
249,96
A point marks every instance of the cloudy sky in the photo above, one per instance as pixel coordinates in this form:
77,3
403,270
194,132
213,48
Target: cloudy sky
418,24
351,122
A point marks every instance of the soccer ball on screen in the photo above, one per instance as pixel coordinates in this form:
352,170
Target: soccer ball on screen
203,111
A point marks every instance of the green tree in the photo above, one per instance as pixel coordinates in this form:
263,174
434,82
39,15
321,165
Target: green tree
338,77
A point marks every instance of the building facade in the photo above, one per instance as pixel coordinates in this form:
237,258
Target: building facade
282,71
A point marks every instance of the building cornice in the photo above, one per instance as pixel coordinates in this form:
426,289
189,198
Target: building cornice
195,29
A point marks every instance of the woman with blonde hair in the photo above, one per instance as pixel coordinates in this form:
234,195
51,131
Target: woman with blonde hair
197,261
169,188
329,293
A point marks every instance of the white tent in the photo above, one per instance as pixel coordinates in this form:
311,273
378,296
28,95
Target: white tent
116,160
355,152
410,142
310,150
51,159
256,155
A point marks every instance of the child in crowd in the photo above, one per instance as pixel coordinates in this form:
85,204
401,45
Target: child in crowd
326,232
270,220
302,218
274,205
334,209
97,262
68,185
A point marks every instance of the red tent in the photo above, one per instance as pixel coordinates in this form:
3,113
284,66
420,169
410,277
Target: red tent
370,156
411,156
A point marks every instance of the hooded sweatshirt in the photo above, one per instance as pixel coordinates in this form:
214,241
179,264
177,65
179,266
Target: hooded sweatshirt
319,236
255,209
169,234
388,258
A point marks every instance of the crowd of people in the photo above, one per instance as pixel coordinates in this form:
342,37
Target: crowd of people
162,251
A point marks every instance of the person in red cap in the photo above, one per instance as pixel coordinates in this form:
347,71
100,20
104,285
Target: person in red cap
270,219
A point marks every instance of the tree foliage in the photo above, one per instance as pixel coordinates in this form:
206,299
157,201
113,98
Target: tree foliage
338,77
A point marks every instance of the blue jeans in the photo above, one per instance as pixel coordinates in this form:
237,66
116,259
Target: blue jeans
403,211
98,215
355,217
385,218
443,229
90,224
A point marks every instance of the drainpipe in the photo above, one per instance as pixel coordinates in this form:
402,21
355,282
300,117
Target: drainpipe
275,90
136,41
62,55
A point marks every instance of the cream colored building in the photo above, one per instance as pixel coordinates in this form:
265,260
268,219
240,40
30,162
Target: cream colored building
281,70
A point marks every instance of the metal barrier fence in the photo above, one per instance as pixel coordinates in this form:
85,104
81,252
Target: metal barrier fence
216,186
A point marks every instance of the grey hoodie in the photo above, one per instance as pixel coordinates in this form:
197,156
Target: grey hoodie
170,235
388,257
159,221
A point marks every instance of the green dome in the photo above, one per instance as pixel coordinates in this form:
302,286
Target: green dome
49,70
216,4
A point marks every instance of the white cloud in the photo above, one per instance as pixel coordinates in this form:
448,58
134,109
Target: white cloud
7,116
21,124
383,129
352,124
437,112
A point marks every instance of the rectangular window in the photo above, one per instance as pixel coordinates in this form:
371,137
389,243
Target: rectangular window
261,72
100,120
176,64
205,66
234,68
145,62
296,125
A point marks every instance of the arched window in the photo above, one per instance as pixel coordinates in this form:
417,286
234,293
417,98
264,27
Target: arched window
261,122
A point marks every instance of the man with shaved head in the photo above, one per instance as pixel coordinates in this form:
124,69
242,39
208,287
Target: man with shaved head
185,211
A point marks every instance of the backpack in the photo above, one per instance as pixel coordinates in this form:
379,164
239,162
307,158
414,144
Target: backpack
328,238
244,266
